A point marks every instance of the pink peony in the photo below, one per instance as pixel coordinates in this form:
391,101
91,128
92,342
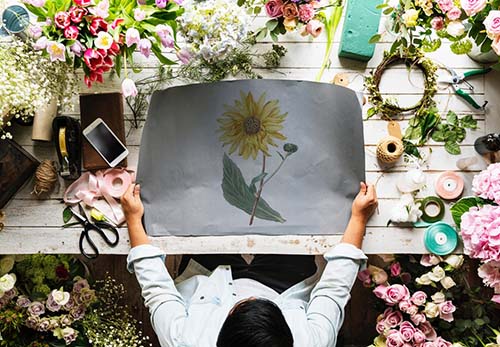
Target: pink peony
397,293
490,273
394,339
365,277
428,331
62,19
471,7
407,330
480,231
492,25
445,5
392,318
454,13
314,27
306,12
418,318
395,269
419,298
446,310
274,8
437,23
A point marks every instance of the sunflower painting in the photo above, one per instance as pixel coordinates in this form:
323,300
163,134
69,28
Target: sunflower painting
251,127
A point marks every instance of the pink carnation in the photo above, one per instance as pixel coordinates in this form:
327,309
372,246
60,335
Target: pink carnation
490,273
306,12
480,231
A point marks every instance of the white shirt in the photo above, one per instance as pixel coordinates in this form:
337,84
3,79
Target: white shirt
191,312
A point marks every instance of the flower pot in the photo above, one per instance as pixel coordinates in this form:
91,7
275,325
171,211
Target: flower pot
483,58
15,19
42,123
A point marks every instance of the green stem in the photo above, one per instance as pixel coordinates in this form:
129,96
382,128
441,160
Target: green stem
259,192
277,169
331,28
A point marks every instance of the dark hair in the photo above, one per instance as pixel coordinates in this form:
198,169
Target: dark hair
255,323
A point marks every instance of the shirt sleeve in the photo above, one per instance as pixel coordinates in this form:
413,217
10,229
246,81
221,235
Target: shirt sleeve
166,305
325,311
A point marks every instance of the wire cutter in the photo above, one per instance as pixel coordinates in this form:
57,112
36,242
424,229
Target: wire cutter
456,79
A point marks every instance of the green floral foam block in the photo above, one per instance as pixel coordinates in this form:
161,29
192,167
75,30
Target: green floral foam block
360,24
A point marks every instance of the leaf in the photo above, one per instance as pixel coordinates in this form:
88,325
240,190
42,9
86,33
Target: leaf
438,136
468,122
274,36
452,118
381,6
255,180
486,46
272,24
67,214
238,193
452,147
375,38
461,47
463,205
164,60
261,34
241,2
388,10
371,112
411,149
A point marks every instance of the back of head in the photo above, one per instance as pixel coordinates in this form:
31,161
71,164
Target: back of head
255,323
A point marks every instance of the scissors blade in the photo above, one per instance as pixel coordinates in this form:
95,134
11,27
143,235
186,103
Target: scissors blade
78,215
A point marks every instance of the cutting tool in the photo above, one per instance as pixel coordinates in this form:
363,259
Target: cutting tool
455,79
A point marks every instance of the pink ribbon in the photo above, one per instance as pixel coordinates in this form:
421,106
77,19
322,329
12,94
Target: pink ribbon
109,184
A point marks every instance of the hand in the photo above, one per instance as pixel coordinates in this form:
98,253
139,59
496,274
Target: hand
132,204
365,203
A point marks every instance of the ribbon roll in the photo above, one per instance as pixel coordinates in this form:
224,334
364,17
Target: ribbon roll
341,79
432,209
390,149
440,238
449,185
116,182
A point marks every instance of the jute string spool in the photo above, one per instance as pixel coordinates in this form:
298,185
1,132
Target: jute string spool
391,147
45,177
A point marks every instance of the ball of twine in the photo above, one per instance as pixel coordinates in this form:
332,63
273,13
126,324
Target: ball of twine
390,149
45,177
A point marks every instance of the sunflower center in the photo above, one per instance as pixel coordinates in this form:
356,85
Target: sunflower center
252,125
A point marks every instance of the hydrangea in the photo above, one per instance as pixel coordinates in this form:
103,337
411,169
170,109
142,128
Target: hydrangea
487,183
213,28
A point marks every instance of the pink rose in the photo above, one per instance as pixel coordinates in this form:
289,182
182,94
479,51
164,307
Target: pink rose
407,330
395,269
437,23
62,19
392,318
365,277
446,310
430,260
471,7
380,327
418,318
492,25
428,331
419,298
290,10
394,339
397,293
314,27
418,336
379,276
71,32
404,305
428,344
454,13
274,8
380,292
76,13
445,5
412,310
496,298
306,12
440,342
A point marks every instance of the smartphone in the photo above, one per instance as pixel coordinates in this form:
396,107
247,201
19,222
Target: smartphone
105,142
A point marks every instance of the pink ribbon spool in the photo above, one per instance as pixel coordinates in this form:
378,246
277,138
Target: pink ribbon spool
449,185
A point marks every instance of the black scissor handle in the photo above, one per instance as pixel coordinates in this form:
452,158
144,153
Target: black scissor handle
101,226
85,235
98,227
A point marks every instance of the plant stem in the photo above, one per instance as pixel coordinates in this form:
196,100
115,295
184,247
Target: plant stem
331,28
277,169
259,192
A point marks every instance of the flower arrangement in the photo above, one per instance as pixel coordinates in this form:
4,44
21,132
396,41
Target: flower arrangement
43,301
29,82
417,301
103,34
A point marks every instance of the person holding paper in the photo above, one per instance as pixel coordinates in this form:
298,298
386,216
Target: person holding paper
275,301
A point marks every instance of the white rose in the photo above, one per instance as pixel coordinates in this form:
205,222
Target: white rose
448,282
438,298
458,344
454,260
437,274
455,28
406,210
60,297
431,310
7,282
412,181
6,264
423,280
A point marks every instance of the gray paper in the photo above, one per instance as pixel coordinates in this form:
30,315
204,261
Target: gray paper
193,184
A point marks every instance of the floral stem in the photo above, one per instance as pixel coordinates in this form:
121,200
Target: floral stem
277,169
331,28
259,192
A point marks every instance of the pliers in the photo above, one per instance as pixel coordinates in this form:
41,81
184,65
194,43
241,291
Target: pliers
455,79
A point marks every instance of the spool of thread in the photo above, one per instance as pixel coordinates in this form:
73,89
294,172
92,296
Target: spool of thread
390,149
45,177
440,238
432,209
449,185
341,79
117,182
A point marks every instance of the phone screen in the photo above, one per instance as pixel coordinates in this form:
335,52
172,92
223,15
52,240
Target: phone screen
105,142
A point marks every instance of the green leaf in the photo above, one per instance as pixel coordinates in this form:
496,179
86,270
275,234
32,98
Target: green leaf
272,24
381,6
164,60
438,136
371,112
452,147
261,34
255,180
486,46
241,2
388,10
257,10
463,205
274,36
238,193
375,38
452,118
461,47
468,122
411,149
67,214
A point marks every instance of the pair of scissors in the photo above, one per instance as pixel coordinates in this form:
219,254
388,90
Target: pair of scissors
99,228
456,79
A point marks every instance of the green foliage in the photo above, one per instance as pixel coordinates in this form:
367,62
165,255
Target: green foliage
463,46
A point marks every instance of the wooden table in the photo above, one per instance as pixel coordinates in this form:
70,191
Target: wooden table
34,225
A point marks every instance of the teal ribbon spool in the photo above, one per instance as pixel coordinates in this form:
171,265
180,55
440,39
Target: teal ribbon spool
15,19
432,200
440,238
